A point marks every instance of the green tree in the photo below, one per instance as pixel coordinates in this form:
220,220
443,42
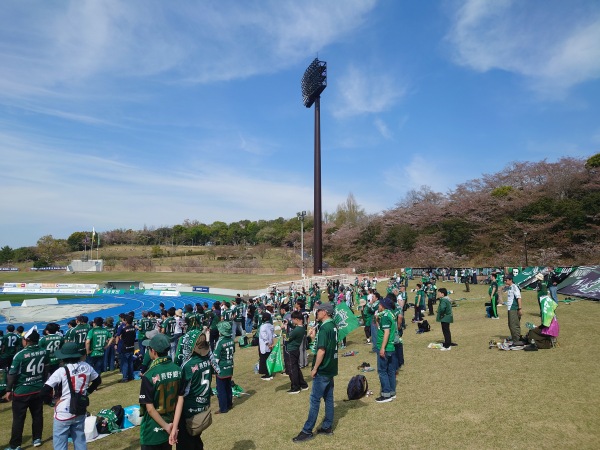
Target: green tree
50,249
6,254
76,240
593,162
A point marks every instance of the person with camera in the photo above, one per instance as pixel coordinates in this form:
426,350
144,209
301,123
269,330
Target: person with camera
78,377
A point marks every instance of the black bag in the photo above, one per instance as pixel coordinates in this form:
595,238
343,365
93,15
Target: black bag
357,387
243,341
254,341
424,326
79,402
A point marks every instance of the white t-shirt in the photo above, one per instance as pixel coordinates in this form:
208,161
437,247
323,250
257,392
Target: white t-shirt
512,294
82,374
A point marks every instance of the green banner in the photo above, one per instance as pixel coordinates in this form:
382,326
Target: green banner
275,360
345,320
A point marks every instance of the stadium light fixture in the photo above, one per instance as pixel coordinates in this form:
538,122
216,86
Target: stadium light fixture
313,84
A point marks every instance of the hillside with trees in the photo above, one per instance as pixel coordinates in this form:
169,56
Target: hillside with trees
549,211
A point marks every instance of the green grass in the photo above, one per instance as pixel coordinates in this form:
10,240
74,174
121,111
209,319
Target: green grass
470,397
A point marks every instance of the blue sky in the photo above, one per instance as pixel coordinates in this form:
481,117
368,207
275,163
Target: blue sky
146,113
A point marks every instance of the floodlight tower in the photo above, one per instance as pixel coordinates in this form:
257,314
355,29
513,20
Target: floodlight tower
313,83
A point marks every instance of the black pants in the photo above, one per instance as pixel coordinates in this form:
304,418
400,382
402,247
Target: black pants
163,446
213,338
368,331
262,363
418,313
430,305
187,442
20,405
447,335
294,371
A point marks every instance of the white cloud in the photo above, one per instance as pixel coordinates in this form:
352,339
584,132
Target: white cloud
382,127
50,48
553,44
366,91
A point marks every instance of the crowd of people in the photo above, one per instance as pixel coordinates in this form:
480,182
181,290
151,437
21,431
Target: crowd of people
180,352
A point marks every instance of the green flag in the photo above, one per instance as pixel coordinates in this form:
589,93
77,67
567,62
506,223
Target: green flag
345,320
275,359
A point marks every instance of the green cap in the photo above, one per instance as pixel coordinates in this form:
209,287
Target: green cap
159,343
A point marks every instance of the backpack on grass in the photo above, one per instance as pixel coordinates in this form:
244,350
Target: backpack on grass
110,420
424,327
357,387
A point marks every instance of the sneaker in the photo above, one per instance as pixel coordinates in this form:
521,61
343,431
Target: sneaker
37,442
302,436
383,399
305,388
266,378
531,348
124,380
496,318
369,341
15,448
293,391
445,349
325,431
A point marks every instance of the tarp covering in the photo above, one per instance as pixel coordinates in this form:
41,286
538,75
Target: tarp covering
584,282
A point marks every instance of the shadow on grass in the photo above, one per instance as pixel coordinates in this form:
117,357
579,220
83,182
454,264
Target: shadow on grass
244,445
342,407
243,398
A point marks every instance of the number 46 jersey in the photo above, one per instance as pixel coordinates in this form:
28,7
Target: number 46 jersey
29,365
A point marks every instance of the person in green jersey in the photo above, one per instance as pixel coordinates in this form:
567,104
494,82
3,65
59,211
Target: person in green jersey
224,350
238,320
292,351
160,392
143,326
196,376
419,303
492,306
386,360
11,344
24,385
191,319
98,339
52,341
325,368
80,333
445,317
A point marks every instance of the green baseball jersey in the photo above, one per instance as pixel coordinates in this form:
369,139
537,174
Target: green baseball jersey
80,333
144,325
214,320
169,326
493,285
295,338
98,338
227,315
29,365
11,343
161,385
238,313
192,321
51,343
196,377
387,321
224,350
327,339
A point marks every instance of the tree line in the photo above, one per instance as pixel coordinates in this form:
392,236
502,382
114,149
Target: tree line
543,212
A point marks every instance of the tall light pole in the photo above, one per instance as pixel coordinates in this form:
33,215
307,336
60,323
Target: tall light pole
313,83
525,242
301,216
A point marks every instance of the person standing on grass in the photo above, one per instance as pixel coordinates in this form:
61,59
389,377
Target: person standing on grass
195,398
52,341
143,326
419,303
445,317
11,344
325,368
24,386
97,341
161,391
386,357
84,380
109,354
492,311
514,307
126,347
224,350
215,319
294,343
265,345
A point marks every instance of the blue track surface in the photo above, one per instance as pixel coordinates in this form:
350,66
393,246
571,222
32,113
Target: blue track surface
128,302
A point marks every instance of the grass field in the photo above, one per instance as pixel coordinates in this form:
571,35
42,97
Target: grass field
470,397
